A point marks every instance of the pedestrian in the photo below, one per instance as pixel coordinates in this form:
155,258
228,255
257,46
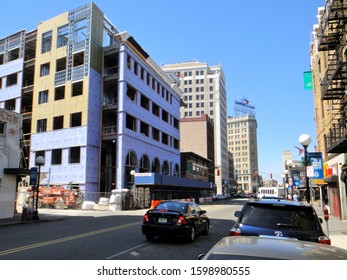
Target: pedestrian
296,197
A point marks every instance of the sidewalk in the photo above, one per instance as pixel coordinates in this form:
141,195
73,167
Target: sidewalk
335,228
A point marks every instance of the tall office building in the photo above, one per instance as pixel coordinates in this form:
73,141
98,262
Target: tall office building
242,143
204,92
94,103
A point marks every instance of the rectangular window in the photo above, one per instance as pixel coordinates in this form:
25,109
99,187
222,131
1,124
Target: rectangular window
12,80
164,138
80,30
136,66
44,71
63,36
77,88
144,128
40,154
59,93
155,109
58,122
131,122
131,92
43,96
2,128
129,61
46,45
76,119
41,125
56,156
75,155
60,64
155,134
10,104
144,102
164,116
78,59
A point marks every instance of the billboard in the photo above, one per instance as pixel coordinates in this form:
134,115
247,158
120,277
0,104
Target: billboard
308,80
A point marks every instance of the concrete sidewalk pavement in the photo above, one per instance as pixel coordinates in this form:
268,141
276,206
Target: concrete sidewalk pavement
334,227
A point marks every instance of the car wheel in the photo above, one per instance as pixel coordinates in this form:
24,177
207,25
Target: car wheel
207,228
191,236
149,237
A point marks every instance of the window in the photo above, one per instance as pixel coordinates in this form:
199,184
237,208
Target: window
144,102
13,54
12,80
164,115
80,30
0,82
77,88
59,93
131,122
176,123
43,96
155,134
62,39
136,66
41,125
46,42
40,154
10,104
155,109
2,128
74,155
131,92
129,61
60,64
58,122
44,71
76,119
78,59
56,156
164,138
144,128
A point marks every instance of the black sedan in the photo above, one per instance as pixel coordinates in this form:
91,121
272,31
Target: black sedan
173,218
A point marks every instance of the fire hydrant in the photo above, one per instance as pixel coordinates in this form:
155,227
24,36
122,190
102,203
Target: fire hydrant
24,214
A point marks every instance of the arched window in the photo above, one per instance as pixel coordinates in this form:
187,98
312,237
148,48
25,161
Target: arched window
166,169
144,164
177,170
156,165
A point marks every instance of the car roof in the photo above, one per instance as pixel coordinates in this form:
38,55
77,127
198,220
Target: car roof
278,201
266,247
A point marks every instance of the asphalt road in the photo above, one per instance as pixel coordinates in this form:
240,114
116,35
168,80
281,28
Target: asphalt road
109,236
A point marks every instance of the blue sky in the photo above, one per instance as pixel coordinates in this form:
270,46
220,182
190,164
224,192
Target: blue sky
263,47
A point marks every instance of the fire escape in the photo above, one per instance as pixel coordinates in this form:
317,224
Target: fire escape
332,39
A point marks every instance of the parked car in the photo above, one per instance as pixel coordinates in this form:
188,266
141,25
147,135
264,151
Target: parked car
271,248
279,217
173,218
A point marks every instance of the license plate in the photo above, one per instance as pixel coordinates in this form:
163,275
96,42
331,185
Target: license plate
162,220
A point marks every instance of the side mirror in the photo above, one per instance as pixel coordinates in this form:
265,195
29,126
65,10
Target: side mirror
203,212
237,214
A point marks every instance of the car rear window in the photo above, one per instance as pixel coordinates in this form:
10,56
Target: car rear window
279,217
172,206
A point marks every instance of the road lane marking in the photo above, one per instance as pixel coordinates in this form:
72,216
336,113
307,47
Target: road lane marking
126,251
64,239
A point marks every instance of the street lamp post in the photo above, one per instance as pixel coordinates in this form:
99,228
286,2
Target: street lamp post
39,161
290,164
285,176
305,141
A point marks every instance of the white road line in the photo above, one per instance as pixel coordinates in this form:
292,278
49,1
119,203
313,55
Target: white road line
126,251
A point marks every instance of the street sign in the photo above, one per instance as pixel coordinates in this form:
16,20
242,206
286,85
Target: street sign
33,176
309,171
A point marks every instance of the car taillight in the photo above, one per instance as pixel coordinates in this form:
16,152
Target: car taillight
145,218
182,220
324,240
234,232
